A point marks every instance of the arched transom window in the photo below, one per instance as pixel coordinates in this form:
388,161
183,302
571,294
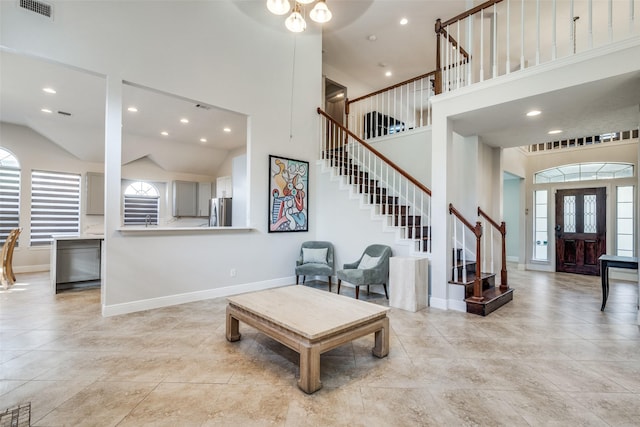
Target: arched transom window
141,202
584,172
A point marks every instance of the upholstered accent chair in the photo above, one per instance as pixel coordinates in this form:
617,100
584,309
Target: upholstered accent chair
371,269
316,259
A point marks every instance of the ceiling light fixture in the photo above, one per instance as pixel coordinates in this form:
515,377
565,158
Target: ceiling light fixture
49,90
388,74
132,109
227,130
164,133
185,121
533,113
296,22
404,21
554,132
203,139
46,110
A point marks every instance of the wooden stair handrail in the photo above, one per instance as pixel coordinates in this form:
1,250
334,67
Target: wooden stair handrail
440,30
470,12
502,228
477,230
377,153
463,220
360,98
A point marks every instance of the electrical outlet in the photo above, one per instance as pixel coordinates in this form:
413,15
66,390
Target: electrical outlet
233,272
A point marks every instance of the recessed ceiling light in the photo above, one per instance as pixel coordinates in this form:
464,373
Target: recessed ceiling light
49,89
388,74
203,139
227,129
555,131
164,133
340,95
372,38
404,21
132,109
46,110
185,121
534,113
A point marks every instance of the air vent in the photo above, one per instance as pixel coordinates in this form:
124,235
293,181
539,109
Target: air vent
203,106
64,113
41,8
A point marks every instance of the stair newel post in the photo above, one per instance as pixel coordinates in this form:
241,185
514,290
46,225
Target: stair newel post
477,283
503,272
346,119
438,88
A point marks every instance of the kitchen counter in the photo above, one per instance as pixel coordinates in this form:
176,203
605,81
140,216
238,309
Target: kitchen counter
76,261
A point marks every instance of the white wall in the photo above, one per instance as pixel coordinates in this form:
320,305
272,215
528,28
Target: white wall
235,55
411,151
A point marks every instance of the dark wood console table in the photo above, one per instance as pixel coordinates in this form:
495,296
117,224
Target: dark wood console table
607,261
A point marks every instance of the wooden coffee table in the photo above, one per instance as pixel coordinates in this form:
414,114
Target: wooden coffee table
310,322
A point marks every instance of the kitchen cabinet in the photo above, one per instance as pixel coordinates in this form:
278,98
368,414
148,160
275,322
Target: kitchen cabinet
94,193
185,198
204,195
224,187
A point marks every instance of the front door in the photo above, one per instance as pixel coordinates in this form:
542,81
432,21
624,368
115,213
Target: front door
580,230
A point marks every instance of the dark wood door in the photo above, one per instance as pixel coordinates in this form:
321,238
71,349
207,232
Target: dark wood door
580,230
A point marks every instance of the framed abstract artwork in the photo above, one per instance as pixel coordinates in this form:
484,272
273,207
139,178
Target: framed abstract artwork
288,195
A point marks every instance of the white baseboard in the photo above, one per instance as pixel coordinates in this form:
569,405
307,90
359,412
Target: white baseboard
438,303
148,304
512,259
31,268
623,274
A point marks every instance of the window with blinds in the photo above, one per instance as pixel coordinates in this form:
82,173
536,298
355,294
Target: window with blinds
141,204
55,205
9,194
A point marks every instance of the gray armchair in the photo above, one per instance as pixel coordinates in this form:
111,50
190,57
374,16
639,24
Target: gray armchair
371,269
316,259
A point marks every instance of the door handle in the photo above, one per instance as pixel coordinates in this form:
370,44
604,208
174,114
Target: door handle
558,229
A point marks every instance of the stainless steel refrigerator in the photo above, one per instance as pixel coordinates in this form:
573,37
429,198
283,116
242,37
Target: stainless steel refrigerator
220,212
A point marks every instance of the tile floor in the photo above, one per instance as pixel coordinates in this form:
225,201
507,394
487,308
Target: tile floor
550,357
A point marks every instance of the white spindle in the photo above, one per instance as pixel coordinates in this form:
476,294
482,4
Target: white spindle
464,255
482,45
554,44
610,21
631,17
470,51
455,247
590,25
522,36
483,242
495,41
492,258
458,56
508,65
446,62
537,32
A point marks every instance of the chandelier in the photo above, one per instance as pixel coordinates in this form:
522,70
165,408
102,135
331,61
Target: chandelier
295,22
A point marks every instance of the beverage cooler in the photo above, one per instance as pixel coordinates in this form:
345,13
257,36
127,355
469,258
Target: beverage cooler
220,212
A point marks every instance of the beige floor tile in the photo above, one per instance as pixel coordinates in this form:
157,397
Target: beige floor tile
550,357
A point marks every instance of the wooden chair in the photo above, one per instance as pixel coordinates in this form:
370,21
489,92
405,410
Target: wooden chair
8,277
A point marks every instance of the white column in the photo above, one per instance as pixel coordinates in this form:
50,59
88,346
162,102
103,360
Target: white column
441,244
112,175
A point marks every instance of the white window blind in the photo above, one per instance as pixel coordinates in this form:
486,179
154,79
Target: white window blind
9,194
55,205
141,204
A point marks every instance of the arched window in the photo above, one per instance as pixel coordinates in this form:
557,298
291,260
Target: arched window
9,193
141,204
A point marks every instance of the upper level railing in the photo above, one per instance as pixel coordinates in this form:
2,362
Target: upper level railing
394,109
389,188
502,36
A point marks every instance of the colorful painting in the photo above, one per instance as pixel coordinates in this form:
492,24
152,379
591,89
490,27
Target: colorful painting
289,195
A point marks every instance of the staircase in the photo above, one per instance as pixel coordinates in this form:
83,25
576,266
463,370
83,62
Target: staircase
464,274
400,212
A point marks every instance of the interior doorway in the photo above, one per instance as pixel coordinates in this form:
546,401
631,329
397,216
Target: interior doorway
580,230
335,96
